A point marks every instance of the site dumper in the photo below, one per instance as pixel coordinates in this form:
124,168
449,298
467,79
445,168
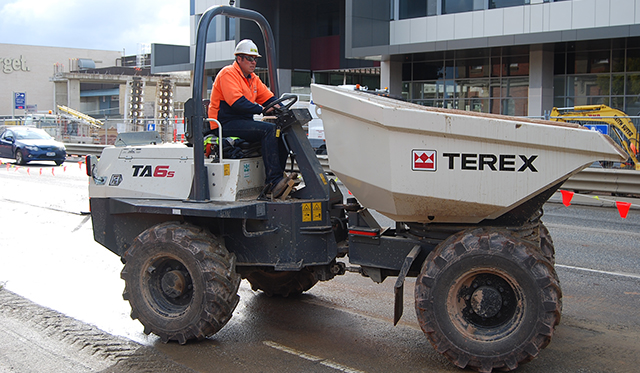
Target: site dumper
465,192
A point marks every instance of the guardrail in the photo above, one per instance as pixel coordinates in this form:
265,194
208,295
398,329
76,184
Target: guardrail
592,179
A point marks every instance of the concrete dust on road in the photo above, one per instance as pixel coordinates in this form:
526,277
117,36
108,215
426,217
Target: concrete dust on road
37,339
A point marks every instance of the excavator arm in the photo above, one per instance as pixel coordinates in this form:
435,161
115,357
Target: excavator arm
625,131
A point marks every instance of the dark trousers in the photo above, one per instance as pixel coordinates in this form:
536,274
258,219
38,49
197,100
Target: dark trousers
274,153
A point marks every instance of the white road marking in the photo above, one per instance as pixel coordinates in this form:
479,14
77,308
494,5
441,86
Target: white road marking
630,275
316,359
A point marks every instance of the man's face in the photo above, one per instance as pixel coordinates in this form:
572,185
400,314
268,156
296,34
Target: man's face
246,65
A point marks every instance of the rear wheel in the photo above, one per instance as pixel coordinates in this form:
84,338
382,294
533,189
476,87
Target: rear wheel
486,300
287,283
180,281
546,244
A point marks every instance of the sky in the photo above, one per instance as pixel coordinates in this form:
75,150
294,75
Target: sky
114,25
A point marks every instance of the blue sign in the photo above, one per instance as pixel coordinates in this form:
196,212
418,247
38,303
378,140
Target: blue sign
602,128
151,126
20,100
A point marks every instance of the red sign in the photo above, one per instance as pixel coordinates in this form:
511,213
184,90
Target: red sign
423,160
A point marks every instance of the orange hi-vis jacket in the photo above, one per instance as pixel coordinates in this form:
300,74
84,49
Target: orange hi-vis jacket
235,97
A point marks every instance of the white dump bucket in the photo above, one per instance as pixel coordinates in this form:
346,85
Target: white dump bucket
419,164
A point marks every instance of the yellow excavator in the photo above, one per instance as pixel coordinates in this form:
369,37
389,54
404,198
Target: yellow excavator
619,124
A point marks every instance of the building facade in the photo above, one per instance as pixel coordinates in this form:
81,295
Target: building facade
516,57
310,42
29,69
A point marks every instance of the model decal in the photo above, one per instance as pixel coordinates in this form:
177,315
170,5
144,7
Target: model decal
149,171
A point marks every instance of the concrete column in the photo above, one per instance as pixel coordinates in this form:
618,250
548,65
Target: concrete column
60,96
540,79
391,76
73,93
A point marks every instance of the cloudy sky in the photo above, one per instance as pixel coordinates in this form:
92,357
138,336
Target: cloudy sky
90,24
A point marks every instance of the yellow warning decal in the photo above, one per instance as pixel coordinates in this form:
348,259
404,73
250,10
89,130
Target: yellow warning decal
227,169
324,180
306,212
317,211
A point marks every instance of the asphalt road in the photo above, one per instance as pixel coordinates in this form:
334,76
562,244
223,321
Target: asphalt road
48,256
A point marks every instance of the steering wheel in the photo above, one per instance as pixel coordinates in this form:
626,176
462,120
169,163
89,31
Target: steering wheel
278,110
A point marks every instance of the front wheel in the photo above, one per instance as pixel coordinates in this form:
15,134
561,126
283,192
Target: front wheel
19,157
180,281
486,300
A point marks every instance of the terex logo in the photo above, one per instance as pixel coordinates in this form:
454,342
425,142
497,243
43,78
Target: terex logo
493,162
149,171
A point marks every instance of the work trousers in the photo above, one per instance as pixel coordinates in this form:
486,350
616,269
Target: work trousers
274,153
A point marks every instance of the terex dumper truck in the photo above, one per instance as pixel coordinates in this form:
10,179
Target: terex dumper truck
465,190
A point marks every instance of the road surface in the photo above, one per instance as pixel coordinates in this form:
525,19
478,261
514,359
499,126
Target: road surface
48,256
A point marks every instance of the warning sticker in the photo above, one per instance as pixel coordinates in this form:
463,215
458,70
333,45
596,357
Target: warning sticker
306,212
317,211
227,169
423,160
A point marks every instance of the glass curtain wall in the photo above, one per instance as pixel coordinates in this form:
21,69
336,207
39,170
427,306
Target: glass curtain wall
598,72
492,80
424,8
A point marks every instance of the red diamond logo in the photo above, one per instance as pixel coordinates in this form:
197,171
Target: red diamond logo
424,160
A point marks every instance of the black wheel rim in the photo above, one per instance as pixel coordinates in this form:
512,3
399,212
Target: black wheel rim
169,286
485,304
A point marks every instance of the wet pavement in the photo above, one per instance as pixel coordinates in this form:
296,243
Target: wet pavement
48,256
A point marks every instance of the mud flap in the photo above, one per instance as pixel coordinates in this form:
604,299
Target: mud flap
398,288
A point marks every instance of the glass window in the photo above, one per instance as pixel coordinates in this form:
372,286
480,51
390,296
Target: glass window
559,63
221,29
300,78
406,71
617,85
496,66
633,60
448,89
471,89
588,62
632,107
558,102
515,87
589,85
428,70
514,106
617,102
473,68
424,90
457,6
321,78
515,66
412,9
449,71
406,90
336,79
633,85
558,86
506,3
617,61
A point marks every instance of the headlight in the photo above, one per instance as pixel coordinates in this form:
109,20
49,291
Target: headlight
31,148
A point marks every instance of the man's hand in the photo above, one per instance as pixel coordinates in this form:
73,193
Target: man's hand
272,109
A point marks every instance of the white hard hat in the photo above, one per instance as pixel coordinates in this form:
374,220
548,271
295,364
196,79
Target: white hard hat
247,47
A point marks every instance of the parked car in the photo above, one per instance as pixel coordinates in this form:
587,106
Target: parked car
26,144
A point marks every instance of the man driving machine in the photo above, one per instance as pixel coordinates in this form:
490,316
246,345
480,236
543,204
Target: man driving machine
238,94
